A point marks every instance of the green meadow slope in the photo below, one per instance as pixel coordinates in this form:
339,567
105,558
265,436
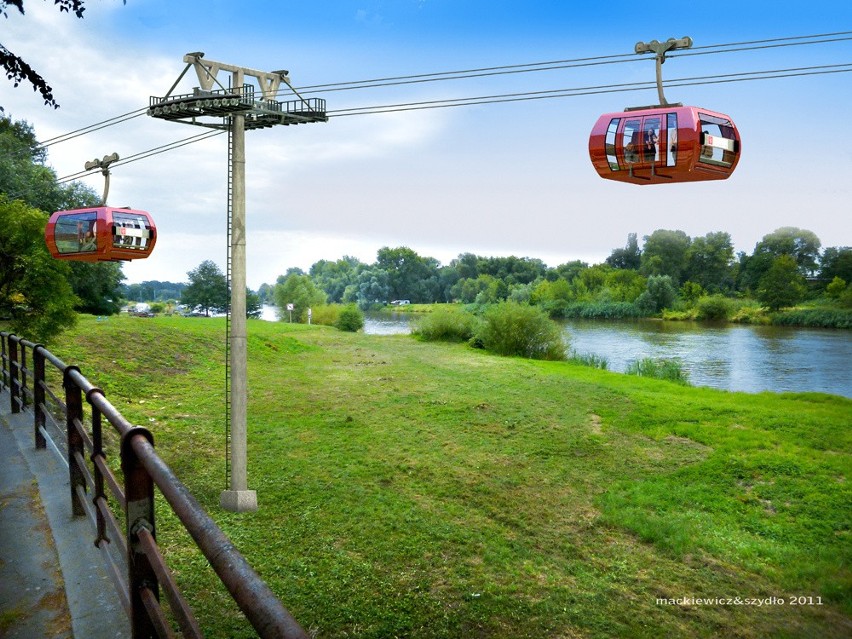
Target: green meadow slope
411,489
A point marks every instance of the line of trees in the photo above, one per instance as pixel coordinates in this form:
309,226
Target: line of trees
786,267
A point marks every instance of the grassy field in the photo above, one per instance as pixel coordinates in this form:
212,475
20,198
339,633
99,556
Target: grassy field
411,489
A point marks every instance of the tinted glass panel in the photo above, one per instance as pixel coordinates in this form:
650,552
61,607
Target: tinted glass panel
671,130
631,139
130,231
718,142
610,144
651,139
76,233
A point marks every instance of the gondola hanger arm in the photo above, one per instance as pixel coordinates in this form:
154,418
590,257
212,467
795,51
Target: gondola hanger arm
660,49
103,165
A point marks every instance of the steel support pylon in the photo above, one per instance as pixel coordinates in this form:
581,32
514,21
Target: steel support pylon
238,498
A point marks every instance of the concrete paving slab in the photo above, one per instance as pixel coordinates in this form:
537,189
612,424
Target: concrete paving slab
32,591
66,542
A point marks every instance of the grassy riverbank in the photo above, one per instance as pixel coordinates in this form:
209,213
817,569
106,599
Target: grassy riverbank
432,490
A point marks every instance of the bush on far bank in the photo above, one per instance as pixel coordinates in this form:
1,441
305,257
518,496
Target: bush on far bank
506,328
445,324
510,328
350,319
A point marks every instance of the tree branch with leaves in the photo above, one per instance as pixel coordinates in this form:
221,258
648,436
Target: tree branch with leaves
17,70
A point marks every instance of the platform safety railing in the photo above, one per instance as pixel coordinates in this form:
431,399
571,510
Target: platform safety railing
138,569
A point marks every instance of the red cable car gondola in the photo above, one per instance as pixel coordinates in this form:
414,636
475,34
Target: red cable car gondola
666,143
100,234
663,145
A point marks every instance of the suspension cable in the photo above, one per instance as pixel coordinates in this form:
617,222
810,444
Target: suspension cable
730,47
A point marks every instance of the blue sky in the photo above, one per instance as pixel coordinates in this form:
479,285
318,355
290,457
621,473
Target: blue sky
495,179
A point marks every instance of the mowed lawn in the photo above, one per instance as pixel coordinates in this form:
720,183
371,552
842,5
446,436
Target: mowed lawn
411,489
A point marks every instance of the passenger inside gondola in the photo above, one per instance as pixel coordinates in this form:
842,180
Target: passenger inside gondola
87,236
632,142
651,140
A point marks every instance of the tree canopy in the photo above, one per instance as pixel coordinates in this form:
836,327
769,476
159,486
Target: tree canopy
207,289
665,253
300,291
17,70
25,177
782,284
35,295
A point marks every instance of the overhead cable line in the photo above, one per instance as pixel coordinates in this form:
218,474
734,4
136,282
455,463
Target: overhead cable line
753,48
767,41
146,154
570,63
510,97
592,90
731,47
93,127
470,73
501,98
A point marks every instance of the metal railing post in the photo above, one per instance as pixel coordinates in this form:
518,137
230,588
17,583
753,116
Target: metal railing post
139,492
98,451
14,390
38,396
5,376
74,411
22,371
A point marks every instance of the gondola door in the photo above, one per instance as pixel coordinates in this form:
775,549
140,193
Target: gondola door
643,144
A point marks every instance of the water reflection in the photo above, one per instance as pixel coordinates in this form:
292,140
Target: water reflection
387,323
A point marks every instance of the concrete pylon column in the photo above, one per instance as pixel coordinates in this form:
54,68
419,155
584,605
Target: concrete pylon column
239,498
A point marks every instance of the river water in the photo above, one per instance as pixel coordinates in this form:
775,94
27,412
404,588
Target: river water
730,356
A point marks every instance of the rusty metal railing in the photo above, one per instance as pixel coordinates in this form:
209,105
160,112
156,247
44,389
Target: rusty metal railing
133,559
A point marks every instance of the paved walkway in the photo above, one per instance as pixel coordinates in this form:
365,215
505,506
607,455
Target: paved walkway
52,580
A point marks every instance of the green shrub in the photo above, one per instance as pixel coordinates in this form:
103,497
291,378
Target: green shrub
845,299
350,319
667,369
751,315
836,287
325,314
680,315
446,325
714,308
516,329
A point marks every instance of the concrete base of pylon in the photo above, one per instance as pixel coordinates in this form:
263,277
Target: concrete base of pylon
238,501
